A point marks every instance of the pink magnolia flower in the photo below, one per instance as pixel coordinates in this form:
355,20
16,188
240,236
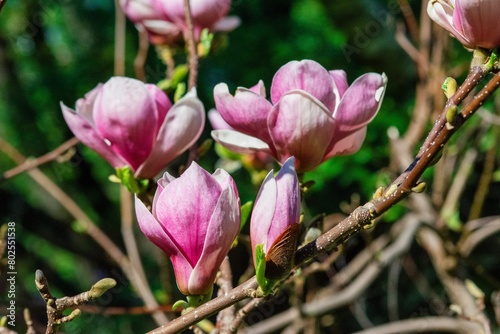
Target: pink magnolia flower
130,123
473,22
165,22
275,220
313,114
195,219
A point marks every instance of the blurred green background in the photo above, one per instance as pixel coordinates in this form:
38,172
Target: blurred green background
57,50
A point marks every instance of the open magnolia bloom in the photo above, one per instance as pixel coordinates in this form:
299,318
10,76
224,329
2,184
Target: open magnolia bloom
473,22
165,22
132,124
195,219
313,114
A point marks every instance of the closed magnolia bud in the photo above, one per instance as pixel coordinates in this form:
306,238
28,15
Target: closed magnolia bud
275,221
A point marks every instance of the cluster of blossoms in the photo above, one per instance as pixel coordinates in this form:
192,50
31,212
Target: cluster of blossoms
165,22
313,115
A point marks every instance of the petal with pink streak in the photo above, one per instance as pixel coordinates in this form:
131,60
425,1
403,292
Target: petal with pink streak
124,113
216,121
361,102
306,75
340,79
186,204
162,183
88,135
442,13
246,111
181,128
238,142
287,211
162,101
347,145
263,213
221,232
478,21
301,127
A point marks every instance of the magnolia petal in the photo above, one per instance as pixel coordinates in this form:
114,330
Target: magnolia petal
221,232
302,127
259,88
347,145
125,114
186,204
306,75
216,120
88,135
227,23
263,213
360,102
340,79
152,229
181,128
161,185
441,12
287,211
478,21
246,111
162,101
157,234
239,142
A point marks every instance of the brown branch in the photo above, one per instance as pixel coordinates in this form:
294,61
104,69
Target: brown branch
191,43
226,317
34,163
56,306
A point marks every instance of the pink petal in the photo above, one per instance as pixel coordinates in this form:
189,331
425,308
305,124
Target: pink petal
187,204
238,142
345,145
161,185
226,24
259,88
340,79
302,127
287,211
88,135
181,128
263,213
246,111
216,120
478,21
360,103
162,101
124,114
441,12
221,232
305,75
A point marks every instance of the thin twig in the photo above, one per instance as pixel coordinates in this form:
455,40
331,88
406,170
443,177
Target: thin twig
224,280
142,54
191,43
119,40
33,163
81,217
133,253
